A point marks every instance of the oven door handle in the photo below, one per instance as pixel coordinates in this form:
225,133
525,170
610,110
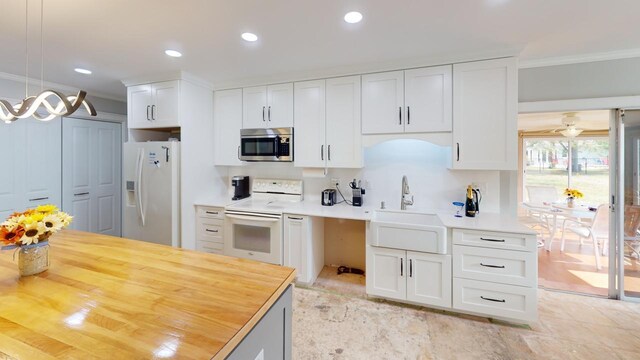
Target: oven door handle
263,218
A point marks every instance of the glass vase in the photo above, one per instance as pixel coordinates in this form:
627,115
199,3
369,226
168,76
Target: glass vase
33,259
571,202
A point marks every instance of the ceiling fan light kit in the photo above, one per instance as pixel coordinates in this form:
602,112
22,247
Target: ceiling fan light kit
66,105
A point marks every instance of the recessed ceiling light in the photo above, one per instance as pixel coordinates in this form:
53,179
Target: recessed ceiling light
353,17
249,37
173,53
82,71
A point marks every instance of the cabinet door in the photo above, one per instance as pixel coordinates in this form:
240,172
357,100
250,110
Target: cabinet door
280,105
296,247
139,106
386,272
383,103
428,99
227,119
11,142
309,110
344,139
254,107
429,280
41,179
485,105
165,109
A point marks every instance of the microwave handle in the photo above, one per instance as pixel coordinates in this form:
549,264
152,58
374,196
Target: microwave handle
277,146
239,153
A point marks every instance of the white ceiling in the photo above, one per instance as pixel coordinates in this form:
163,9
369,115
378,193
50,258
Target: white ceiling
589,120
119,39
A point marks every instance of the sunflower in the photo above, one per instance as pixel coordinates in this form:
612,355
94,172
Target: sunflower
52,223
32,231
47,209
65,218
10,236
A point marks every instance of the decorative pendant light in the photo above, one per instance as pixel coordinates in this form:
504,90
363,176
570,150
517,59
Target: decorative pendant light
66,105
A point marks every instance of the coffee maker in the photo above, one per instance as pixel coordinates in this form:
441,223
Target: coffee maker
241,187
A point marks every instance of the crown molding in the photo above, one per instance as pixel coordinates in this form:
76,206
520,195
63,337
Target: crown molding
577,59
167,76
58,86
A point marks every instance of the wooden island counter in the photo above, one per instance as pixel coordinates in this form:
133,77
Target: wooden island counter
111,298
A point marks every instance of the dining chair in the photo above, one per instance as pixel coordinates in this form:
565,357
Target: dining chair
632,228
540,197
597,229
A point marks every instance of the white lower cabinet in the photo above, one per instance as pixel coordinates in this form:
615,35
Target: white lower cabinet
420,278
495,274
304,246
210,229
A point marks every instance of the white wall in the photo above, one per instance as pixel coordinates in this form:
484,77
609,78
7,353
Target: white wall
433,185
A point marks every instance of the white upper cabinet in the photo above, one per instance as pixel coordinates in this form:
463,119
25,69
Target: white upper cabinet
267,106
344,140
428,99
383,103
155,105
280,105
411,101
327,123
254,107
309,112
227,118
485,109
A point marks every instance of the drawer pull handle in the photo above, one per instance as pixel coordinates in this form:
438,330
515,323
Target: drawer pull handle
492,266
401,267
39,199
213,231
494,300
212,212
294,218
494,240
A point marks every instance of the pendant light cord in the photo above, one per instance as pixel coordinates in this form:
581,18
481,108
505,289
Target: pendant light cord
41,45
26,49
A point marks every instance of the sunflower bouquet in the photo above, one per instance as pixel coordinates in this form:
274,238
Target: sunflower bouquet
573,193
32,227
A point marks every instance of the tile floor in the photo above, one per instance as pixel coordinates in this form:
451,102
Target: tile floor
328,325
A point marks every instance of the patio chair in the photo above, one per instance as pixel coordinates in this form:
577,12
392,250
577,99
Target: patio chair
632,228
597,229
540,198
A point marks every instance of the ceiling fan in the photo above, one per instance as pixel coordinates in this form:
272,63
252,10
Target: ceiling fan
569,121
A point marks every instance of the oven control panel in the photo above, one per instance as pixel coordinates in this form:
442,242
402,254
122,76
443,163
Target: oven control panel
277,186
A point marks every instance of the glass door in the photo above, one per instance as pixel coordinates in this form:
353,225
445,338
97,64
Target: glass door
628,208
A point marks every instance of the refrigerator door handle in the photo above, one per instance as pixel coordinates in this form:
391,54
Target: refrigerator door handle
139,184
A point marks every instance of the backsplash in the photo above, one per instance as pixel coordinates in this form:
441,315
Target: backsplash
432,183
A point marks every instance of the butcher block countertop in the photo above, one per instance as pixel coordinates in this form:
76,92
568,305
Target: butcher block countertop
111,298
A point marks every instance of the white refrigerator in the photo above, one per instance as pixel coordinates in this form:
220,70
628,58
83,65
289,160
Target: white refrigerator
152,192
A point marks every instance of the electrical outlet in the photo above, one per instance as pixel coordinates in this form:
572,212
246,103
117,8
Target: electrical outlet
335,182
482,186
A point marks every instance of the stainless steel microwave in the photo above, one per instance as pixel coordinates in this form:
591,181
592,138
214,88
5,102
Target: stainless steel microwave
274,144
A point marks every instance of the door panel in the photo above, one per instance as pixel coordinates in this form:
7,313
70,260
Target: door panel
428,99
76,172
280,105
383,103
108,177
343,122
310,124
227,117
254,107
386,273
166,102
42,167
11,199
429,280
139,106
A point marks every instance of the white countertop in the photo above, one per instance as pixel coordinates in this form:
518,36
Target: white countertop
312,207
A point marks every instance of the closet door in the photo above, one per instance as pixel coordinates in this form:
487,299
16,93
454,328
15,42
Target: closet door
92,175
42,159
11,136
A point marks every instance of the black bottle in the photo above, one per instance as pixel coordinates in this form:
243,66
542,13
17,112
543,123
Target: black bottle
470,207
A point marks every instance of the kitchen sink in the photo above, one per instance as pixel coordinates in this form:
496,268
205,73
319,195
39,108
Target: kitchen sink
406,230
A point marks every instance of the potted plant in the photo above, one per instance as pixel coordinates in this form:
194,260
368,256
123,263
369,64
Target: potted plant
572,195
29,232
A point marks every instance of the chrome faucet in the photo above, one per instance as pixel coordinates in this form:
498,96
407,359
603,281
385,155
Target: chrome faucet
405,194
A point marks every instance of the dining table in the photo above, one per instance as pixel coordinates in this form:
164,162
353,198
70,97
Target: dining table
560,211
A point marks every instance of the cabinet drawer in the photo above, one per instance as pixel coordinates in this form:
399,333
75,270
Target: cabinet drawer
499,300
210,212
496,240
210,228
500,266
209,247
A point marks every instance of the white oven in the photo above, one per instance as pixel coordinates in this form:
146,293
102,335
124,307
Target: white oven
256,236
